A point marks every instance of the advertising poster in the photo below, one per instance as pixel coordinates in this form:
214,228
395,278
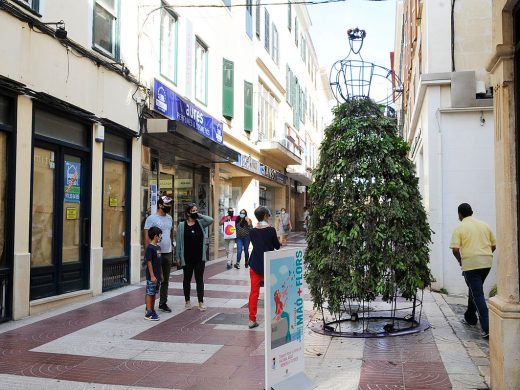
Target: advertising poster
284,319
72,181
153,199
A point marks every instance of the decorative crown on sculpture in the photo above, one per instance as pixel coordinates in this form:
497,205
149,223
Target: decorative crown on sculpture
355,78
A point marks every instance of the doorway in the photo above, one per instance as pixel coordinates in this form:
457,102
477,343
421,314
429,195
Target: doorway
60,242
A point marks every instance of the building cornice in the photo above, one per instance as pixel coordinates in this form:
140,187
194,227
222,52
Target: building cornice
502,52
270,75
427,80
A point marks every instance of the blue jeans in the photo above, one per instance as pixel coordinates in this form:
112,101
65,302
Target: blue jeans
476,299
243,244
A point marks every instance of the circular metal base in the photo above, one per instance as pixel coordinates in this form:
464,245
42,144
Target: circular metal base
371,326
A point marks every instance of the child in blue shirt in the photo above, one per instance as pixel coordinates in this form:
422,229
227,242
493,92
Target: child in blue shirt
152,258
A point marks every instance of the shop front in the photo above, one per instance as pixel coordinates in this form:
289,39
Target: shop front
180,149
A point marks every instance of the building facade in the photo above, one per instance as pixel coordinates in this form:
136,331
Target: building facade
446,115
105,105
504,308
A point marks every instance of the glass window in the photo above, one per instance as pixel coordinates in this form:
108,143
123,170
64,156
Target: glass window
227,3
3,196
115,145
296,31
201,72
258,9
183,192
268,115
34,4
114,203
105,26
5,111
249,18
289,15
42,207
274,53
71,250
168,59
60,128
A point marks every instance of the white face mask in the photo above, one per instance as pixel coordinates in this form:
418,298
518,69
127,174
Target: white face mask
283,212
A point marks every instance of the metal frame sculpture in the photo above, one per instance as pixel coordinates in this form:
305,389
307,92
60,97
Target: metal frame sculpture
352,79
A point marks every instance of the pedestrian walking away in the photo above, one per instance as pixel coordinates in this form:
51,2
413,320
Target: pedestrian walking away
283,226
230,242
264,239
306,217
243,227
192,241
163,220
152,260
473,244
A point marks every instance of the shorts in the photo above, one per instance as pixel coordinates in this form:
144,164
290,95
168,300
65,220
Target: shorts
152,288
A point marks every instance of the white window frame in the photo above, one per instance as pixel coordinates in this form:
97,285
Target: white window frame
113,12
267,114
168,64
275,55
201,71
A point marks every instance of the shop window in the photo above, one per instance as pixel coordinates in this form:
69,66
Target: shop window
42,207
183,192
201,72
106,27
228,74
114,208
3,196
168,56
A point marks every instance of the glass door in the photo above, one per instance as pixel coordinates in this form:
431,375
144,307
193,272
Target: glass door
60,226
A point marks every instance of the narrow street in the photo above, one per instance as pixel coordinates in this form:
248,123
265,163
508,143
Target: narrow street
104,343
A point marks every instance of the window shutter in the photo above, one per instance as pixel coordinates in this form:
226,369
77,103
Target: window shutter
248,107
228,70
267,25
296,106
288,84
289,15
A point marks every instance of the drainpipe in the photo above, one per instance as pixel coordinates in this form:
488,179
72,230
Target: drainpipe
453,35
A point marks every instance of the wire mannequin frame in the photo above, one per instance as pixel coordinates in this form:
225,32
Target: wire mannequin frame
355,78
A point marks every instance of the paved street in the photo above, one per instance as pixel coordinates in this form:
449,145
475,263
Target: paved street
104,343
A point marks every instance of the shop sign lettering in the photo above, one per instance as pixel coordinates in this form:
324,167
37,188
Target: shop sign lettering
253,165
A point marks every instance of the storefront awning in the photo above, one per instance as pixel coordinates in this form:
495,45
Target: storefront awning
183,143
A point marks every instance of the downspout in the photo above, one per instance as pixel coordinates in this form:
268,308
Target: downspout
453,35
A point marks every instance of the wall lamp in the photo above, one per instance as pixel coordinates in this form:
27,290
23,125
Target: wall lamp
60,31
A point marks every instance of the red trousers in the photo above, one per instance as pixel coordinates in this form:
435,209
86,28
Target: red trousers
256,279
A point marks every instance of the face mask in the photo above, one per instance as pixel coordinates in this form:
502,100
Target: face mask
194,215
242,215
283,212
230,213
166,209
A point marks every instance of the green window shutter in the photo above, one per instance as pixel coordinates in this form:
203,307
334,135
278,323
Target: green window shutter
228,70
296,105
248,107
288,84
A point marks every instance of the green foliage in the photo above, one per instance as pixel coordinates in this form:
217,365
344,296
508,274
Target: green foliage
368,232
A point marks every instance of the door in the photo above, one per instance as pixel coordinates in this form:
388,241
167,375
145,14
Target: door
60,242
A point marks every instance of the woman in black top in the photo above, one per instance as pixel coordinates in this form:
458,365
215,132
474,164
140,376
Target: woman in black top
192,237
264,239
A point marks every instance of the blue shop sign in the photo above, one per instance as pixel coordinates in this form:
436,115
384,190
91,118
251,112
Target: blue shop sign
172,106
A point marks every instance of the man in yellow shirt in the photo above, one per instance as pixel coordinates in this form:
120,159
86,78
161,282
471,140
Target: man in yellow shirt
473,244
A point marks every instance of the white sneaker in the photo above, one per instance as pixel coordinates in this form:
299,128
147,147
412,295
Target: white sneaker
187,305
202,307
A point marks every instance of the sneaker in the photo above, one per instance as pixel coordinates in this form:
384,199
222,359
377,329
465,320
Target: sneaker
228,265
247,264
187,305
151,316
485,335
165,307
252,324
202,307
463,320
237,266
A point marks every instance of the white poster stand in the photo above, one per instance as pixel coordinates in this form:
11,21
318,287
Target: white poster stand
284,321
